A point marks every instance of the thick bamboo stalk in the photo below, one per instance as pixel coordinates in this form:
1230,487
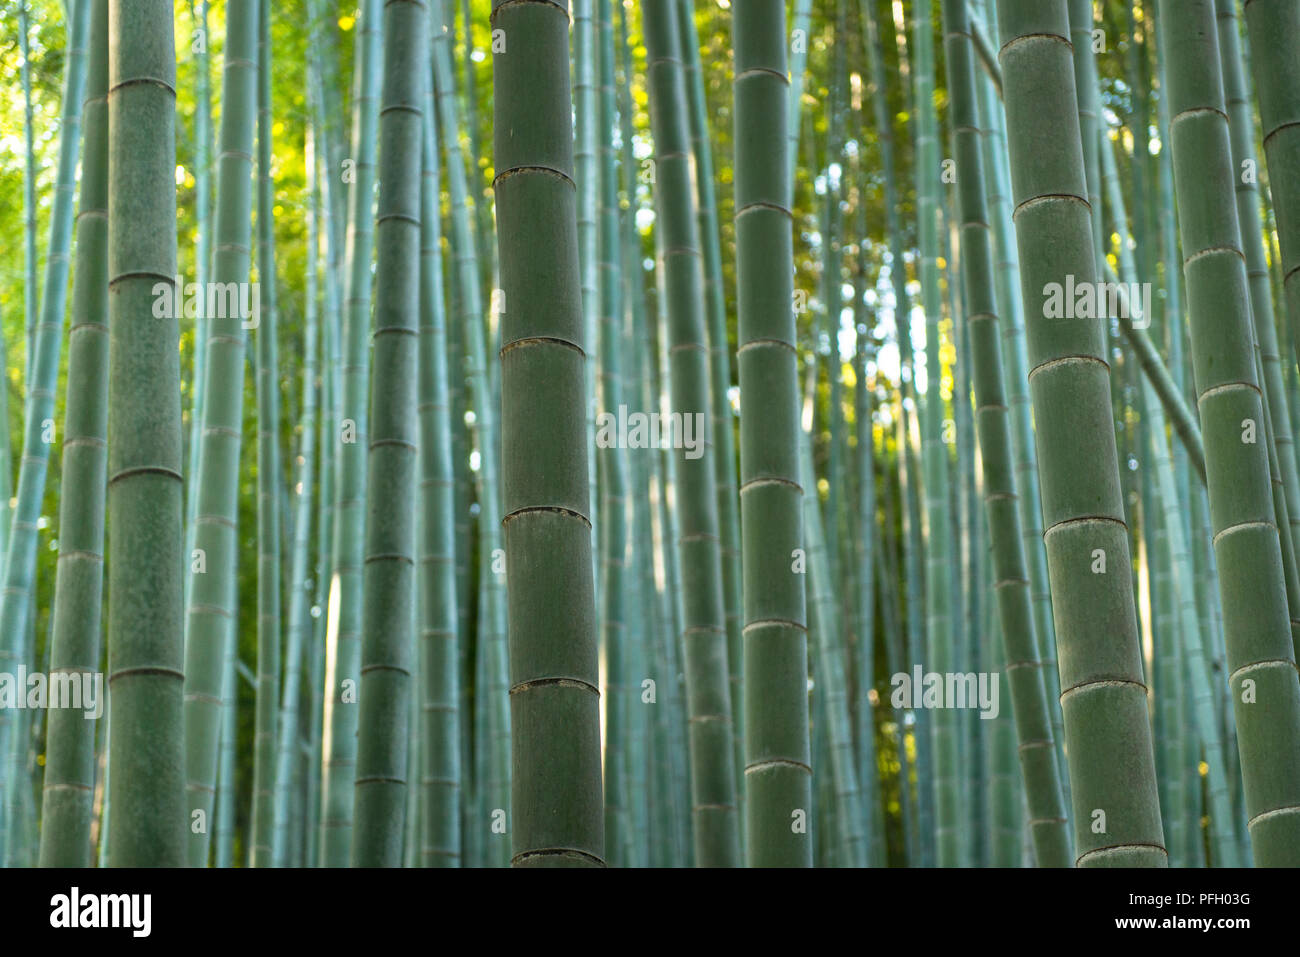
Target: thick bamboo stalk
387,639
145,489
1107,733
778,774
1261,662
1187,627
556,799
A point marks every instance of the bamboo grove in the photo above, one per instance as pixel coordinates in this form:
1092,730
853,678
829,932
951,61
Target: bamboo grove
838,433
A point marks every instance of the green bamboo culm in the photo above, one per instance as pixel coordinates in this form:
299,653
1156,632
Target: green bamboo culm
911,514
847,829
31,304
343,653
1261,662
46,344
440,770
1011,587
1015,360
202,265
557,807
1103,692
798,43
493,745
210,622
145,489
1273,28
66,807
299,626
587,175
323,228
713,778
651,793
778,772
268,472
387,642
620,724
1241,123
940,648
724,442
1189,627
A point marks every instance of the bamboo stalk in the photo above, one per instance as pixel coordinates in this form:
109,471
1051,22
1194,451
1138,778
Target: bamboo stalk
556,800
145,489
1107,734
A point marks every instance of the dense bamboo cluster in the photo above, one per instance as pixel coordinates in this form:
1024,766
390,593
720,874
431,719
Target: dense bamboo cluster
787,433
